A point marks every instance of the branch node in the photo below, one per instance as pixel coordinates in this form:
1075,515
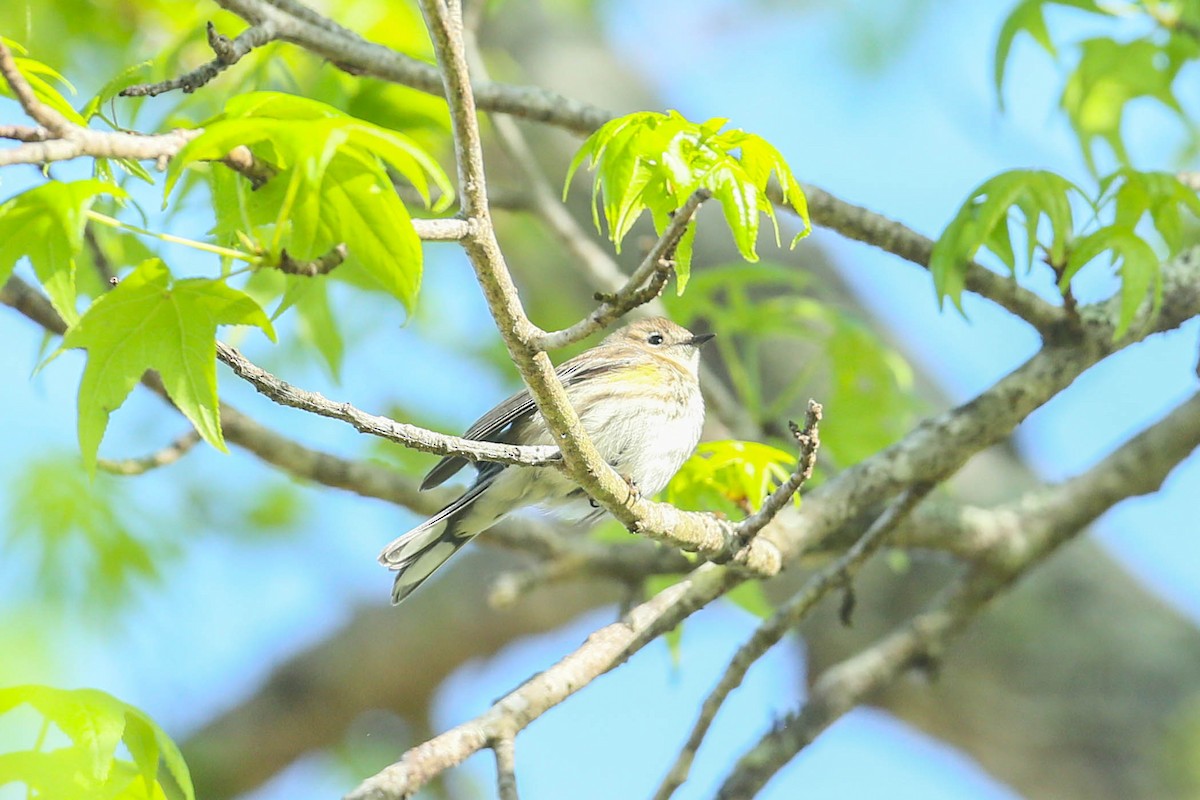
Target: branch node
311,268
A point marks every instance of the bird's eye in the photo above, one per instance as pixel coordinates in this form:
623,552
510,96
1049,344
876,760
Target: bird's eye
655,338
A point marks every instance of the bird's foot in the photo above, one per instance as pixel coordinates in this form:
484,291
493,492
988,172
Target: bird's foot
634,492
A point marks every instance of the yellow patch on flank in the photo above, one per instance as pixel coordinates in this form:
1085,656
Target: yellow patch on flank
652,374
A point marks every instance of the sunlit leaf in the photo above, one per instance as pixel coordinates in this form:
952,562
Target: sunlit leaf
151,322
731,475
983,222
94,723
1109,75
1139,269
652,162
45,225
331,188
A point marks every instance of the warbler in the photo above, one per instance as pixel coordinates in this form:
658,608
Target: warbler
637,394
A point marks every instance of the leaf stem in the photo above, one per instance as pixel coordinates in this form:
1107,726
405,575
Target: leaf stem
228,252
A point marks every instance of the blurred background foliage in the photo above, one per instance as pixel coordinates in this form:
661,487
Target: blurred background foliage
90,564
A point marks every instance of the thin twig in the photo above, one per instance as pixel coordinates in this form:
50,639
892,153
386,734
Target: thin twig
310,268
168,455
645,284
785,618
506,768
863,225
809,440
25,133
441,230
417,438
228,52
41,113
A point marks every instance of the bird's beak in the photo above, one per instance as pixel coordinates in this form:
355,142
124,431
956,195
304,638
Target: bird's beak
700,339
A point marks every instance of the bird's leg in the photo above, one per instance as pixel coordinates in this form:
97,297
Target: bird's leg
634,491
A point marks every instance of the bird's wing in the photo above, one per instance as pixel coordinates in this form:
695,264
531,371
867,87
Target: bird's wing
495,424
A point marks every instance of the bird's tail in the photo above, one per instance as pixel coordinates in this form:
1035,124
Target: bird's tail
415,555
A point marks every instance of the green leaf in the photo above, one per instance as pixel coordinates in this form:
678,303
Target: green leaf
135,73
1139,270
318,326
730,475
151,322
1029,17
651,162
95,723
41,80
1109,75
983,221
1160,196
332,187
45,225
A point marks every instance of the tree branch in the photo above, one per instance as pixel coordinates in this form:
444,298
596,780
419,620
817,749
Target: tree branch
228,52
168,455
701,533
604,650
1040,524
644,285
25,133
809,439
412,436
874,229
506,768
785,619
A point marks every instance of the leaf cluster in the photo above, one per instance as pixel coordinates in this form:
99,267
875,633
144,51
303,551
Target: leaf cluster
59,516
730,476
88,766
770,313
331,186
1108,73
649,161
1042,208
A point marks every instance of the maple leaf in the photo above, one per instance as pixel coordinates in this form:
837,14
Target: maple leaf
151,322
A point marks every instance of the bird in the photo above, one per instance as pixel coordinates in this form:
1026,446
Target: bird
637,394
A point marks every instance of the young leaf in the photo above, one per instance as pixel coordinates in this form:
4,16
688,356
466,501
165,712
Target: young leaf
151,322
1109,75
58,515
95,723
654,162
731,475
135,73
983,221
1139,271
41,80
45,225
331,188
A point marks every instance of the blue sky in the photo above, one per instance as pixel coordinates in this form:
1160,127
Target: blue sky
910,140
